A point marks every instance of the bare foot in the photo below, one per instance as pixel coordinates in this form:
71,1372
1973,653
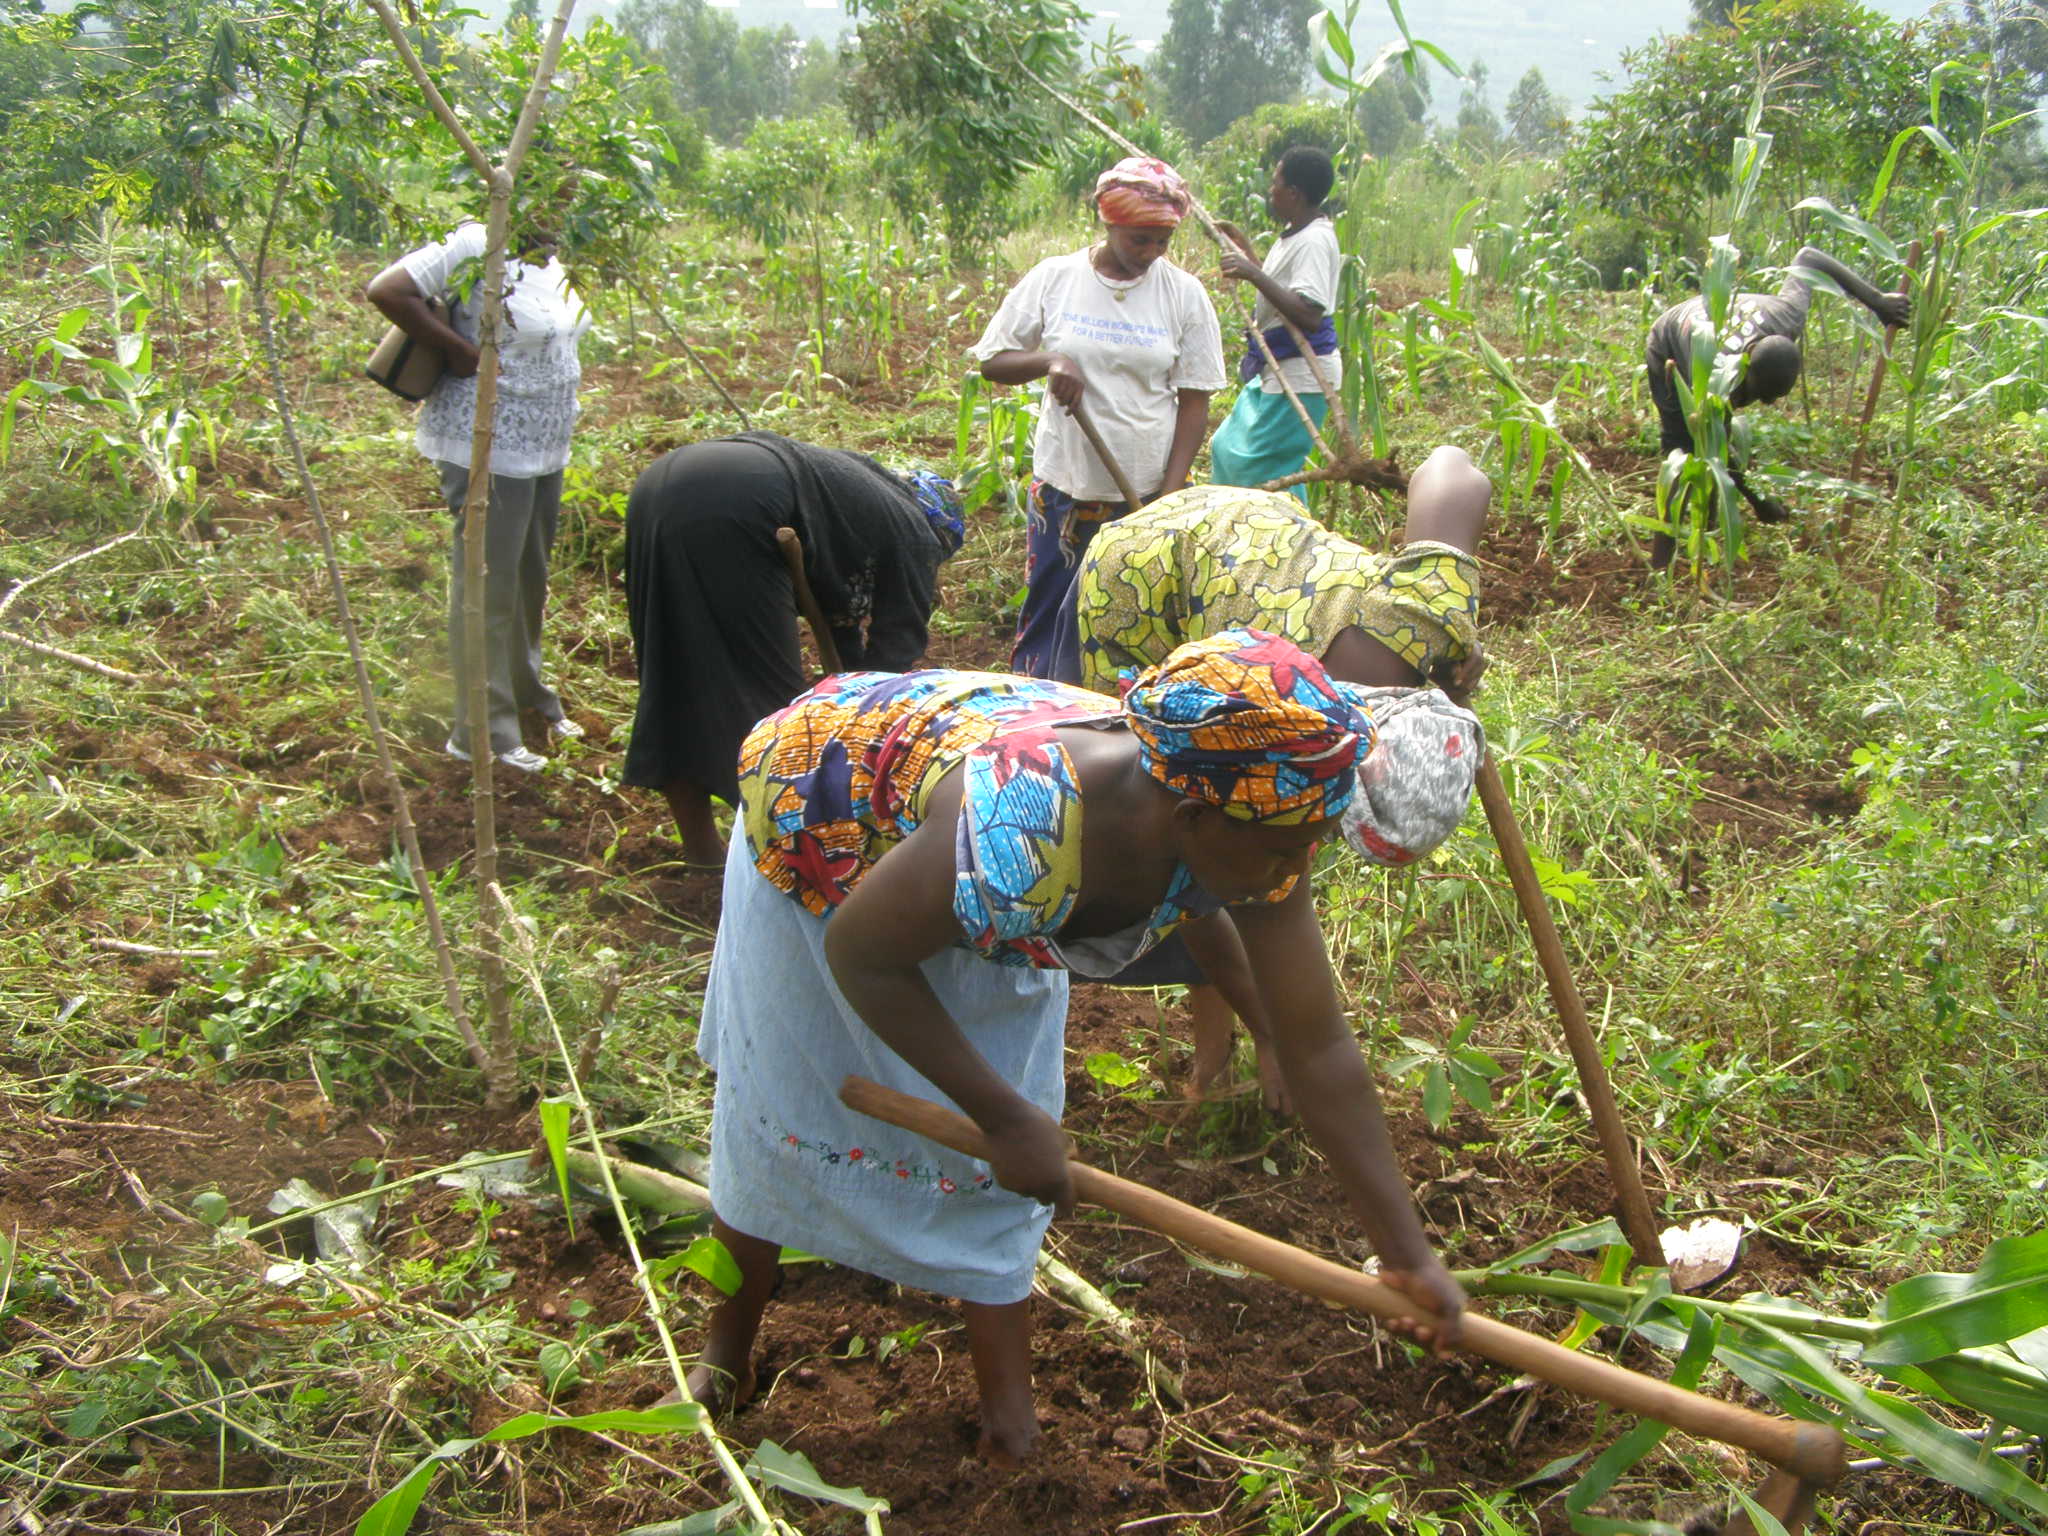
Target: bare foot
1007,1446
720,1388
1211,1058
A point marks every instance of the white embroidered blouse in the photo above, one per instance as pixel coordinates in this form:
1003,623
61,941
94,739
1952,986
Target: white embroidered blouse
538,366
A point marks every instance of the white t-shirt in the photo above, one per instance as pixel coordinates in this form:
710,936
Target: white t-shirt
538,369
1136,344
1306,262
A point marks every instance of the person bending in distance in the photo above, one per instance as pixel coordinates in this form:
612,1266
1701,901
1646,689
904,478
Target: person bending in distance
712,605
1768,329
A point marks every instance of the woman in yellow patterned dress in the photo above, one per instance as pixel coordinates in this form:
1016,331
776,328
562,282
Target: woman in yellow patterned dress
1215,557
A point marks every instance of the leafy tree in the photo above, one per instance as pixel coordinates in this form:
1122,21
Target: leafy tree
1536,115
814,79
1391,112
1839,82
940,81
1237,165
1222,58
1708,14
726,76
1478,124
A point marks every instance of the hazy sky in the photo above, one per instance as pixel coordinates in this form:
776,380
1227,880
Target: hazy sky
1572,41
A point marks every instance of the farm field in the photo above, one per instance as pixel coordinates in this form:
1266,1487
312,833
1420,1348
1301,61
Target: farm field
265,1245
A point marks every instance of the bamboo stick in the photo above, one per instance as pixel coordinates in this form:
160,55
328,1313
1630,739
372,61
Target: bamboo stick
1813,1451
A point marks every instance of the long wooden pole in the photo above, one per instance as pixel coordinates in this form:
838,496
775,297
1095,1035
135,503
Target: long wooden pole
500,180
1812,1451
1634,1204
1086,423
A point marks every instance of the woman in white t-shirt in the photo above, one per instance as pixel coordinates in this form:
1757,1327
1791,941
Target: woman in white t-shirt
538,373
1119,325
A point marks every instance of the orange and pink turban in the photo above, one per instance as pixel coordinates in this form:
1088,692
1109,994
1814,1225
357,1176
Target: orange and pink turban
1141,190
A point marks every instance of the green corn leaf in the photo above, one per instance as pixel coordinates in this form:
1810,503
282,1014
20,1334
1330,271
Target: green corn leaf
1605,1233
554,1130
1337,40
393,1514
1974,1384
1761,1520
1930,1316
1897,1428
1641,1439
706,1522
708,1257
792,1471
2032,1348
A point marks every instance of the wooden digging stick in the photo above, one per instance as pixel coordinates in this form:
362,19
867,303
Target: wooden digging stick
1124,487
1636,1220
806,601
1877,373
1811,1452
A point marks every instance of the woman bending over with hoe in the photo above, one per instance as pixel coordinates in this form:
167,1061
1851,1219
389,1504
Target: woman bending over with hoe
710,596
925,858
1210,557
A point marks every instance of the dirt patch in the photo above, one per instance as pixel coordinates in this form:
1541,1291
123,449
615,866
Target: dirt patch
1265,1371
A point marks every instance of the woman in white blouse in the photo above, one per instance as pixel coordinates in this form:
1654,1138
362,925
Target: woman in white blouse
1120,330
538,373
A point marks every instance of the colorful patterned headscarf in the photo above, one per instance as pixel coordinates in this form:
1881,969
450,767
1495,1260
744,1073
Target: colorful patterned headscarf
941,505
1252,723
1143,191
1415,783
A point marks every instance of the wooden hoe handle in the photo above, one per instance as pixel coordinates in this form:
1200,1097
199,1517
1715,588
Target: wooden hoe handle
1631,1198
806,601
1811,1451
1116,470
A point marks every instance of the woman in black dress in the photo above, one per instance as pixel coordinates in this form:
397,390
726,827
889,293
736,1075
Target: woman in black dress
713,611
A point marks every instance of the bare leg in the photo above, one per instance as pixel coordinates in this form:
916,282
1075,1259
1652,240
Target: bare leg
1447,500
1214,1022
692,808
999,1340
723,1377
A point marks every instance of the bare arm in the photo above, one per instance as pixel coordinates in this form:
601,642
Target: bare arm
1190,426
1017,366
1334,1095
1301,313
1890,308
900,915
398,298
1215,947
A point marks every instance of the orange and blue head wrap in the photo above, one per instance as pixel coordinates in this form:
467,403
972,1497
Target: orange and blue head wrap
1251,723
